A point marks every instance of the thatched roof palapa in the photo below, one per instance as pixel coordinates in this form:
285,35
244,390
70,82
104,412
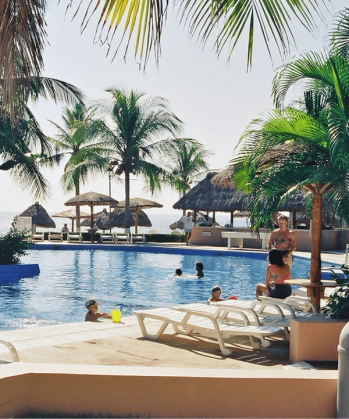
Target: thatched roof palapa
207,196
39,216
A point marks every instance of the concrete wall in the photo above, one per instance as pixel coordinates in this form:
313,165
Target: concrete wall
315,339
211,236
107,391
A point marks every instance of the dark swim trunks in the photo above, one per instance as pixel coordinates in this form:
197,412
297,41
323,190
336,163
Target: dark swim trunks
280,291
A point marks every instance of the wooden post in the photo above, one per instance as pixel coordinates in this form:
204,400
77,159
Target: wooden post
315,266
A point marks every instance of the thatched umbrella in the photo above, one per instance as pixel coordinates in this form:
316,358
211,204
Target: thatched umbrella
71,214
207,196
40,217
118,216
105,220
137,204
91,199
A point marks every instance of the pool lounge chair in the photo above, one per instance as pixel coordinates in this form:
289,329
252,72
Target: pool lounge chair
74,237
204,324
121,238
273,318
274,311
106,238
55,237
38,237
138,238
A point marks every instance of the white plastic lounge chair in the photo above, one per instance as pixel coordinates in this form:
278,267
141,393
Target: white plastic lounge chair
138,238
204,324
55,237
12,350
121,238
258,313
38,237
106,238
74,238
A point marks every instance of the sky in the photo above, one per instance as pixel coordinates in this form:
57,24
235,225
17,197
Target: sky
215,99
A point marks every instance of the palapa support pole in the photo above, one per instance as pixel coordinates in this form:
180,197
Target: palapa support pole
136,220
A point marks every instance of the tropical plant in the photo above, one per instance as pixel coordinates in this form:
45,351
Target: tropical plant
337,306
13,245
225,19
79,138
286,151
187,163
134,121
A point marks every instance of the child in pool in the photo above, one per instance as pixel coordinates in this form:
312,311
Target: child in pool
199,269
92,314
216,295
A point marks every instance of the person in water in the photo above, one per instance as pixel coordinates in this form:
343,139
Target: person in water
93,315
277,272
283,240
199,269
216,295
178,272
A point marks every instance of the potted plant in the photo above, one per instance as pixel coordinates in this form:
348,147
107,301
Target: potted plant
13,246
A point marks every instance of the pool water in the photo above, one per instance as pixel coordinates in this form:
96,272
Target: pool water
130,280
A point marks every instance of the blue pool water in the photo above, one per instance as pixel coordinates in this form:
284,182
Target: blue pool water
129,279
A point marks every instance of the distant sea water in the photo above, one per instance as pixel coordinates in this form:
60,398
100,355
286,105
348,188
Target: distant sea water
160,222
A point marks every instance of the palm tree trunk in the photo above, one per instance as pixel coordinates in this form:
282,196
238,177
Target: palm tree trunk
77,208
315,267
127,201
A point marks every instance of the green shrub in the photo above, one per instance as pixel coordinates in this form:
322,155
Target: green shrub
338,304
13,245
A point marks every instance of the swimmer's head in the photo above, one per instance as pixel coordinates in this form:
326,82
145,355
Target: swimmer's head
179,272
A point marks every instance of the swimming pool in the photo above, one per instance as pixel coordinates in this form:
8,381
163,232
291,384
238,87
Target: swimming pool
130,279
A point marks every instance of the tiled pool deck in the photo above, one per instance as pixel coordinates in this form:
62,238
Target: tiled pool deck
106,343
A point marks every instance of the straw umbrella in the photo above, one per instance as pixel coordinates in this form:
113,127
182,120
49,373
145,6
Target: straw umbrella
71,214
207,196
91,199
40,217
118,218
137,204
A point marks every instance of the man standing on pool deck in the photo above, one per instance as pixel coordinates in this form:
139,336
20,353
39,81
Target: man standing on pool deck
283,239
187,221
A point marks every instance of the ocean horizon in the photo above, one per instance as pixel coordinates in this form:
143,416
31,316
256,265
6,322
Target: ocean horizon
160,222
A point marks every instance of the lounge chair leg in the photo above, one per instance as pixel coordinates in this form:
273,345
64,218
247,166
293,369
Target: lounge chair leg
256,344
144,330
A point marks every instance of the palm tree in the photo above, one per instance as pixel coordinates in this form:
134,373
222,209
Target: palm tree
79,138
229,18
187,163
307,148
17,145
23,36
136,121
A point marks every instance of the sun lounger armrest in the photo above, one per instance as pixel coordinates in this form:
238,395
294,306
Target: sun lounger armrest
281,303
264,304
12,350
238,310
